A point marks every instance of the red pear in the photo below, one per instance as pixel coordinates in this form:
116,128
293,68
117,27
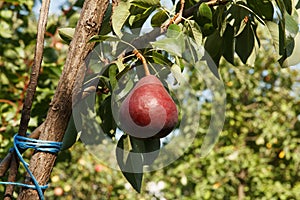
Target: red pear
148,111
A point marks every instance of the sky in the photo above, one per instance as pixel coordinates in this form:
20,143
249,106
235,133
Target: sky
55,6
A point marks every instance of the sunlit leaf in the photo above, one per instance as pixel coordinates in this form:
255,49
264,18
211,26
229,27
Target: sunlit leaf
158,18
274,31
205,11
66,34
196,31
173,46
113,70
173,31
119,16
291,25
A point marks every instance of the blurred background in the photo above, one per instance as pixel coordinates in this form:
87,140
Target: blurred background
257,155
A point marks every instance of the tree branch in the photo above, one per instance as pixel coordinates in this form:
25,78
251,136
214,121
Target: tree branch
39,49
142,58
38,57
183,13
58,115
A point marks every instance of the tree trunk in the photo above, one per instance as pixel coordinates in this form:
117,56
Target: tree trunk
53,129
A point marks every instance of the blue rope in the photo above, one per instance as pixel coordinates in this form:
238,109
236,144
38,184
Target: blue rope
23,143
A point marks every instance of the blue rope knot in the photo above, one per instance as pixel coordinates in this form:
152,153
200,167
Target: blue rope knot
23,143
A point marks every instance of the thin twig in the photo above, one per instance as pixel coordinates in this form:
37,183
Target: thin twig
179,14
13,171
142,58
39,49
5,163
175,19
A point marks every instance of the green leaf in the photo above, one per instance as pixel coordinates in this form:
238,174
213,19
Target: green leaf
108,123
138,20
120,64
73,17
145,4
288,6
282,37
160,59
113,71
132,163
159,18
149,148
290,45
66,34
196,31
51,28
176,71
205,11
119,16
228,45
173,31
171,45
245,43
262,8
213,45
70,136
294,59
79,3
291,25
298,5
236,14
274,31
50,55
106,26
204,16
174,42
101,38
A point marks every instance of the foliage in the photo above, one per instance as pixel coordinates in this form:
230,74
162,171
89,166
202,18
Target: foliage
225,30
258,150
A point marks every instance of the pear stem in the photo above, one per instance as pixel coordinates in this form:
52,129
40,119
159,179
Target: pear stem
142,58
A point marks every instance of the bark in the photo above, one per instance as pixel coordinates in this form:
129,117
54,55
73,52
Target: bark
58,115
241,188
35,72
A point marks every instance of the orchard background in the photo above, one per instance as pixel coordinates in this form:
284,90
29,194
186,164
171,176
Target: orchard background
257,155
